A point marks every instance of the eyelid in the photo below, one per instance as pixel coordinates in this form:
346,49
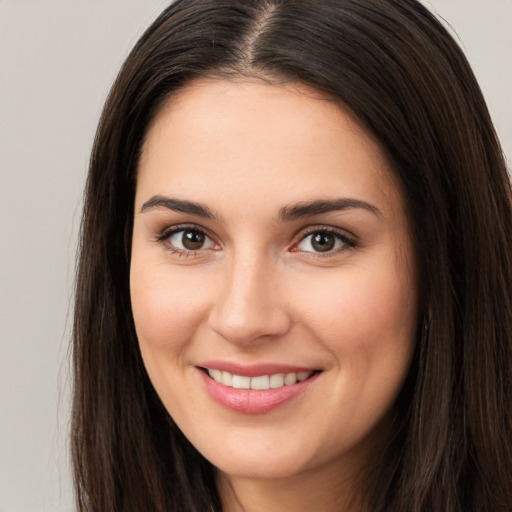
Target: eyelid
165,234
175,228
349,240
325,228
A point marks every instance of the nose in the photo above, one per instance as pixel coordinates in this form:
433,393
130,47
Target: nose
249,307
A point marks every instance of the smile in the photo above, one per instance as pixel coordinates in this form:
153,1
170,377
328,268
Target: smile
261,382
265,389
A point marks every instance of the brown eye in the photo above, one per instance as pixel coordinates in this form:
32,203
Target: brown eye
192,240
189,240
323,242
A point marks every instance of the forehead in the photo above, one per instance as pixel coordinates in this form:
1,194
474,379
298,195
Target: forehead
251,138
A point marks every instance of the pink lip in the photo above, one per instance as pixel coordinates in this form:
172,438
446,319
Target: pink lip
253,401
255,369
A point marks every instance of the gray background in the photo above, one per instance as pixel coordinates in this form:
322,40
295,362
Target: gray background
57,61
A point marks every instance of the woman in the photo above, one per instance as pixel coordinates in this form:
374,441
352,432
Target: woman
294,281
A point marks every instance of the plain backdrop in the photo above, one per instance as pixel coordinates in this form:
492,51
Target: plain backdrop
57,61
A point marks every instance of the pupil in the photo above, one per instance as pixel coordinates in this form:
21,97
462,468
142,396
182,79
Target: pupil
323,242
193,240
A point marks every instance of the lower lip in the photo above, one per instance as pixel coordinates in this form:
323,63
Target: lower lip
254,401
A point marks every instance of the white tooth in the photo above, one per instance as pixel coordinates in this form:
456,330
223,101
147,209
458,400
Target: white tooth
303,376
261,382
241,382
291,378
277,380
210,373
217,375
227,379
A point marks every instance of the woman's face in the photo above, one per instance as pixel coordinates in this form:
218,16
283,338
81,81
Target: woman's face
272,278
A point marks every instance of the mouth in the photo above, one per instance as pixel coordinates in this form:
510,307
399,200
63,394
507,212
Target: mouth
258,388
259,382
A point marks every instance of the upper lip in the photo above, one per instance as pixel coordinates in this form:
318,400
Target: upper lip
253,370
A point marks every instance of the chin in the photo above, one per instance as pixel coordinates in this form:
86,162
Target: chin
264,468
266,459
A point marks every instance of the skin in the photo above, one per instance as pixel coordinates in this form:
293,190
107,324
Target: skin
258,290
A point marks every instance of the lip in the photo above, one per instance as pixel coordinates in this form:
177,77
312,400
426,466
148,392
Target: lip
252,401
254,370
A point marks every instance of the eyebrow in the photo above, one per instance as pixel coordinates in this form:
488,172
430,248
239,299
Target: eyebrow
309,209
179,205
286,214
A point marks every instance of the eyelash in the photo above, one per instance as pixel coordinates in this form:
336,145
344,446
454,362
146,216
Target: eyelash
348,243
164,239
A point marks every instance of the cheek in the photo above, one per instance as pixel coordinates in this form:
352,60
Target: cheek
366,317
167,309
368,324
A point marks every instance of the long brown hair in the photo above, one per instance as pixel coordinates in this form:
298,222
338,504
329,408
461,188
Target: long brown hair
405,79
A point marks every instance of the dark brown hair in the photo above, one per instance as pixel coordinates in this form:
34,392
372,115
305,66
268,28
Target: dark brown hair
405,79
